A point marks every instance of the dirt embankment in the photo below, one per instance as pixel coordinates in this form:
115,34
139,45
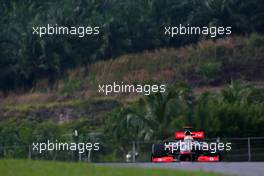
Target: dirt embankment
59,112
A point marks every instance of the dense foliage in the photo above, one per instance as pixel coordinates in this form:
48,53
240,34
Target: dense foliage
236,111
126,26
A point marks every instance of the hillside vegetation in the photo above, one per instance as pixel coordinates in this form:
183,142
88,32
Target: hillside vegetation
231,66
208,63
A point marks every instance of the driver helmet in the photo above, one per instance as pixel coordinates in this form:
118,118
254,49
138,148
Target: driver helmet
188,136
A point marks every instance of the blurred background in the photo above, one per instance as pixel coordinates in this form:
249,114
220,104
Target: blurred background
49,85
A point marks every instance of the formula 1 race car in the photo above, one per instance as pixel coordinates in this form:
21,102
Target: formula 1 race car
187,146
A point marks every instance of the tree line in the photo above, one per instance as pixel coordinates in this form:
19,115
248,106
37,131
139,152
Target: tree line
127,27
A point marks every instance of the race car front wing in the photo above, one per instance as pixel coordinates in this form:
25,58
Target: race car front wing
202,158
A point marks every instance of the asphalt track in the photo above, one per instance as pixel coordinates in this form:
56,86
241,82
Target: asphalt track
230,168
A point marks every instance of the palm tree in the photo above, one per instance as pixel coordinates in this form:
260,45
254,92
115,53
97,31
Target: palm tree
156,116
237,93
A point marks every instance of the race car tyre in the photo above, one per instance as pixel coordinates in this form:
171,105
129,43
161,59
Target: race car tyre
158,150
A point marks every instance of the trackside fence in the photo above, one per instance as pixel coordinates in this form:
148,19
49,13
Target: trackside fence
242,149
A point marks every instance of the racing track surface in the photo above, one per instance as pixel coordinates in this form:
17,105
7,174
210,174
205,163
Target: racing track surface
232,168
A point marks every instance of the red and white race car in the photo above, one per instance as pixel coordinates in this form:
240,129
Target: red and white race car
187,146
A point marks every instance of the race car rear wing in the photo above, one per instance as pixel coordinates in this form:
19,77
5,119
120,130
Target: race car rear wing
195,135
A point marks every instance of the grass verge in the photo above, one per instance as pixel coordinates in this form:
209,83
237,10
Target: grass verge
45,168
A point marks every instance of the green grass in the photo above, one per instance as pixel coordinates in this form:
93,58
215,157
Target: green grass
45,168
